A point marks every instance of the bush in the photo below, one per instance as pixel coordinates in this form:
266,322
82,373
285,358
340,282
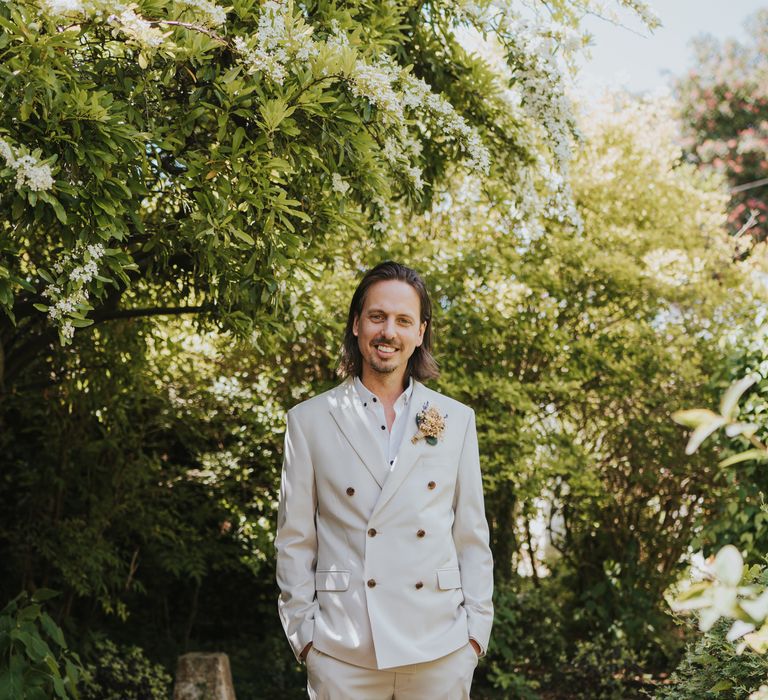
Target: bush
527,645
537,651
604,667
35,663
712,669
124,673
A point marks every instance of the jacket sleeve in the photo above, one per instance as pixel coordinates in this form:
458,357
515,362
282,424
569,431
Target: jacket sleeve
470,535
296,540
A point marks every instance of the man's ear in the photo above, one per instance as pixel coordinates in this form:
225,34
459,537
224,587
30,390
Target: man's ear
422,331
354,324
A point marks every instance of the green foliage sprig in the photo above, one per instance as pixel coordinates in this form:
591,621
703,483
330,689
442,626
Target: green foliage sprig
35,662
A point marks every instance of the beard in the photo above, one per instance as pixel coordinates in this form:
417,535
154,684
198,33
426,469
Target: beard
377,364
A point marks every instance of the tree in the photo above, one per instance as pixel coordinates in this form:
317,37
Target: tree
182,157
725,108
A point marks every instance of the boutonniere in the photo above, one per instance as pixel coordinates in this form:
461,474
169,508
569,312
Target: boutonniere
430,424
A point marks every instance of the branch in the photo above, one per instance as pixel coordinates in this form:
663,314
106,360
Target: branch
749,185
100,316
194,27
753,214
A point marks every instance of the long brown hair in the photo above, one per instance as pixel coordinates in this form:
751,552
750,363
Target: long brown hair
421,365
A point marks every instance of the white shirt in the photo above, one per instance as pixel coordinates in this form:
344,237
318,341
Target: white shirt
389,441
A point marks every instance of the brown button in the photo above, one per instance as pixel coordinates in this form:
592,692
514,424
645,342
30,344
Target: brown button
372,532
350,491
419,584
431,485
371,583
420,533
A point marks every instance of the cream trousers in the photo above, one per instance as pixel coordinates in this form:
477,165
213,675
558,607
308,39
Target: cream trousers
446,678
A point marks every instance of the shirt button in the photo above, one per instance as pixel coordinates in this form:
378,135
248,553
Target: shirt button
365,403
431,485
420,533
391,461
383,427
419,585
350,491
375,399
372,532
371,583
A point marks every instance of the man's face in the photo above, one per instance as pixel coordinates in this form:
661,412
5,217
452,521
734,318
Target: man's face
388,329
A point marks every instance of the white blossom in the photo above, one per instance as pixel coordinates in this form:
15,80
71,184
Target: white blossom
375,82
29,173
278,40
210,13
338,184
95,250
7,153
75,273
67,330
415,173
138,29
63,7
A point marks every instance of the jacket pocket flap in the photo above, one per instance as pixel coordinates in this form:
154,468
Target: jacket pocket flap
331,580
448,578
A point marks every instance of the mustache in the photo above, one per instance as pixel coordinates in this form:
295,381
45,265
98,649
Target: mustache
384,341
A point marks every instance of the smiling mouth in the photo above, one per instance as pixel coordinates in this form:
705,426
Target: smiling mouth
385,350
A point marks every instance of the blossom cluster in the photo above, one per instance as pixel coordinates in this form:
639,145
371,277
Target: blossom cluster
338,184
29,173
137,29
75,270
280,39
127,21
540,82
285,41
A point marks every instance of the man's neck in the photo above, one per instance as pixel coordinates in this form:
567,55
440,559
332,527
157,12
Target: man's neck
387,387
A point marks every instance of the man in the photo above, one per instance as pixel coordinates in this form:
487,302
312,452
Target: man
382,543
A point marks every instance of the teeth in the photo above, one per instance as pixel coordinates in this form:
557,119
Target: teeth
385,348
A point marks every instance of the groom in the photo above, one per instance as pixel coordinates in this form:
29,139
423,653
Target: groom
382,543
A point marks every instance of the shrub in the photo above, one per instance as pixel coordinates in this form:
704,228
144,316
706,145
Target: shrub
35,663
713,669
124,673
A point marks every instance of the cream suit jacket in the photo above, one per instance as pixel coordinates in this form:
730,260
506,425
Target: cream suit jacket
382,569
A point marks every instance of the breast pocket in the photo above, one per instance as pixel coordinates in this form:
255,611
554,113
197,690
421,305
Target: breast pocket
332,580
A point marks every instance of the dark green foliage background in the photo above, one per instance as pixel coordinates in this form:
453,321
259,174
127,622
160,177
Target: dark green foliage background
140,465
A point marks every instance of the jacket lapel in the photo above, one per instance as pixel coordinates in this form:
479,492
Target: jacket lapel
409,452
348,412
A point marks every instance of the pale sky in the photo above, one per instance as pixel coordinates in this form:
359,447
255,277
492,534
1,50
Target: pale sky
621,58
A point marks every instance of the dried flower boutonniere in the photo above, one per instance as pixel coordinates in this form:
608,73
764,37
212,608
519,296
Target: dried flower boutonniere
430,424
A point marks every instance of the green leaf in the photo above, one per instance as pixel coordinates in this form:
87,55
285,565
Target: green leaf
42,594
58,686
61,215
11,678
237,139
53,630
720,686
755,454
243,236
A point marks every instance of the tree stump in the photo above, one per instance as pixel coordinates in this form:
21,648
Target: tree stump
203,676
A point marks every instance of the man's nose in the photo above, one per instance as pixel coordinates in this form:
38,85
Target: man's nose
389,328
